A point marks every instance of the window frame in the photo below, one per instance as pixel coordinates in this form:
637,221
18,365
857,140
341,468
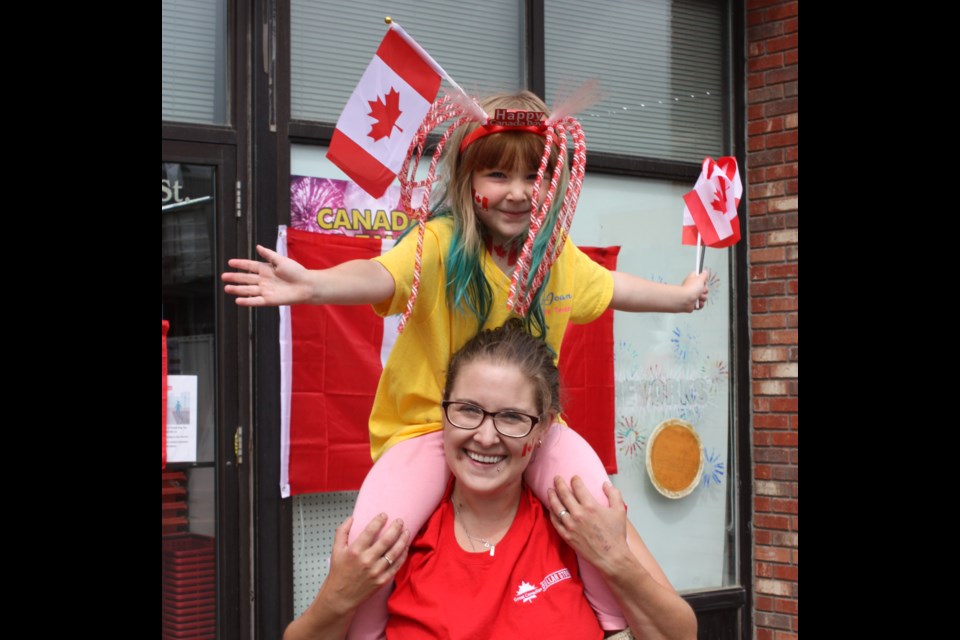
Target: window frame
227,146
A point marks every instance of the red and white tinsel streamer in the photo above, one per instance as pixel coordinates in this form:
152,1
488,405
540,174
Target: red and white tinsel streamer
522,287
444,109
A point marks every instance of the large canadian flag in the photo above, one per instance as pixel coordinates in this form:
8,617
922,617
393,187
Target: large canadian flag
384,112
711,207
586,373
332,358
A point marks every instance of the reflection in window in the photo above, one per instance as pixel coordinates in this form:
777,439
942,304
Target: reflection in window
329,49
660,65
188,285
193,66
188,480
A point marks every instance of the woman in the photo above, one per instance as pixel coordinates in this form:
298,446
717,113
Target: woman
488,563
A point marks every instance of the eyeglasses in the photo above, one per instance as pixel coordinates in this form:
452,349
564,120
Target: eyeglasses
511,424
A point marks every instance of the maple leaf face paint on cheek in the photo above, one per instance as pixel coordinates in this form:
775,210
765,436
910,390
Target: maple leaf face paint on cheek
481,201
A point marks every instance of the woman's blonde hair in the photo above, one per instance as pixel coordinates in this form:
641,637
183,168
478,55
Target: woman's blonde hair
512,345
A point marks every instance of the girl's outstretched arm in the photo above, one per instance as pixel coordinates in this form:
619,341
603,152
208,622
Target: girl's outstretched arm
631,293
281,281
599,533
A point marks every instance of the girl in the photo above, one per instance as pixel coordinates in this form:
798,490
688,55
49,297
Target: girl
477,235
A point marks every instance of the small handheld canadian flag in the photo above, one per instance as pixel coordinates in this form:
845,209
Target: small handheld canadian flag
710,214
711,207
384,112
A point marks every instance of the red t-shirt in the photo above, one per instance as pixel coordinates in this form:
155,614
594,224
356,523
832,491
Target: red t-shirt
530,587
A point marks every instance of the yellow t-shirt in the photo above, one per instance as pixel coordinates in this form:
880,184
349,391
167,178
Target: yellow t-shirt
408,397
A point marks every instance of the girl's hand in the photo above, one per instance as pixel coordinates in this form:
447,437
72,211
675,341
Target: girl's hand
278,281
696,290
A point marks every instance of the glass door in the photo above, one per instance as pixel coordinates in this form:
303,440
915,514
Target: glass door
200,546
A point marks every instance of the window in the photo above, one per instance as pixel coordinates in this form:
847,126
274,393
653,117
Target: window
660,66
331,46
193,65
668,366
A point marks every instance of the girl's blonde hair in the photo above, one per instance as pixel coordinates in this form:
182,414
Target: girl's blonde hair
498,150
467,288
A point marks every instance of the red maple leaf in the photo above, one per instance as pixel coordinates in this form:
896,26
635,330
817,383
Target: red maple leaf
385,112
720,199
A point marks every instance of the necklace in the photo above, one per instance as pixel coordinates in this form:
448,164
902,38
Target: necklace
486,543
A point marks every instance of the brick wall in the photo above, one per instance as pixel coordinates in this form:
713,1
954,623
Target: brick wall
773,186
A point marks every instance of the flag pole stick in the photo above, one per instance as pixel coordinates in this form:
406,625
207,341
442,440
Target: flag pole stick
698,265
477,111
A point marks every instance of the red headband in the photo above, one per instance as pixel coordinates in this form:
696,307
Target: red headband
508,120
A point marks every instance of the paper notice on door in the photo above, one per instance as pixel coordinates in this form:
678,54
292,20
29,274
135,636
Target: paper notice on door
181,419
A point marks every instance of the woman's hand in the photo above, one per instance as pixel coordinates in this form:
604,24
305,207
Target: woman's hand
357,570
598,533
278,281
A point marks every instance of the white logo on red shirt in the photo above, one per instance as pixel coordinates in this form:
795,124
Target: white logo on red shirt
527,593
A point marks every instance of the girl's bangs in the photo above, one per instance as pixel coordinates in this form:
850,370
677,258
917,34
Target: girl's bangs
506,151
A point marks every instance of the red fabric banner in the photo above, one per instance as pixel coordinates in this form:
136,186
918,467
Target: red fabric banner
586,372
336,366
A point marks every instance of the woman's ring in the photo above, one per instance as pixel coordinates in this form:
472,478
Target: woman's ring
562,513
387,558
